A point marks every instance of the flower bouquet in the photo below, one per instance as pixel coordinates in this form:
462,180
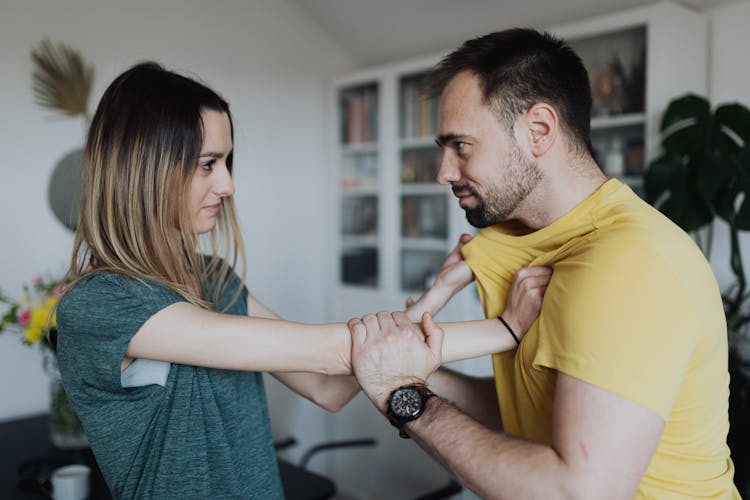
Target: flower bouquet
34,318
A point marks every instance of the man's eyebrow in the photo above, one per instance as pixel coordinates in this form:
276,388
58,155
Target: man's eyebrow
444,139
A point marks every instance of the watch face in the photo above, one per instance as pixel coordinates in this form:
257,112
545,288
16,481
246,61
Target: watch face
406,402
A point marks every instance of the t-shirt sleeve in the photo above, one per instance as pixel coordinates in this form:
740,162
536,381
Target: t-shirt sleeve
96,321
619,318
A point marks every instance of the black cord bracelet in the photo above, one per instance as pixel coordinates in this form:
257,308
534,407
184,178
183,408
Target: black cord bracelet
518,342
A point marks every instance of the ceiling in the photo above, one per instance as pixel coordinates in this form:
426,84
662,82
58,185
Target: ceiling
377,31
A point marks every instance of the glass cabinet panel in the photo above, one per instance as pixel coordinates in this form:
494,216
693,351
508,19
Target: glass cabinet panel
419,268
420,164
424,216
359,266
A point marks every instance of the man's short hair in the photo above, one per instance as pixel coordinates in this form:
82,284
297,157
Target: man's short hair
520,67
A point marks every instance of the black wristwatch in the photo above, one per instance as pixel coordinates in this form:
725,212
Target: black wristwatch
407,403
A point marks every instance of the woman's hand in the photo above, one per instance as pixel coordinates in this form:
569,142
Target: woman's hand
454,274
524,302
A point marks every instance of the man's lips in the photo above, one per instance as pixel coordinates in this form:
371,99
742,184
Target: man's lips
463,195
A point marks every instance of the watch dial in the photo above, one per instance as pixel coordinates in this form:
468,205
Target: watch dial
406,402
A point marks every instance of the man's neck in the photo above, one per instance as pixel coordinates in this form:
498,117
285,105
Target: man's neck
562,188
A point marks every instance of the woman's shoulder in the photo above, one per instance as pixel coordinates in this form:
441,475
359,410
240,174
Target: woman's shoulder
94,283
105,286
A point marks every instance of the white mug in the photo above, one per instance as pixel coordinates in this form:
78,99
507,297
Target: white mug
71,482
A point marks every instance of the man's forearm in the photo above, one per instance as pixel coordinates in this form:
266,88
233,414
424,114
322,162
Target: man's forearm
475,396
491,464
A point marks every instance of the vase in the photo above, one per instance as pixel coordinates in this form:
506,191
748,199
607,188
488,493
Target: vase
65,429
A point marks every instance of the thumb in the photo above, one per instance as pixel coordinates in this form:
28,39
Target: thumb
357,330
433,335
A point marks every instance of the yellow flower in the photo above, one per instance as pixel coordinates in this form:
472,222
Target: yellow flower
38,322
49,304
33,315
33,334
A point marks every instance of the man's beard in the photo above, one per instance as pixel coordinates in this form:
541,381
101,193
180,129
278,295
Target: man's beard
498,202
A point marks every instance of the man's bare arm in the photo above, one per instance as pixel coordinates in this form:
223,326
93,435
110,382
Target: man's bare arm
601,446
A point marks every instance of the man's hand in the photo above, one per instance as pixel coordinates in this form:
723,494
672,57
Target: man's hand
389,351
524,300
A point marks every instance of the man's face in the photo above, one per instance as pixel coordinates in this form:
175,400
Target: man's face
487,169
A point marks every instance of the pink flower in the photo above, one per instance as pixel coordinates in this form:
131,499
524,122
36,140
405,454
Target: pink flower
59,290
24,317
38,281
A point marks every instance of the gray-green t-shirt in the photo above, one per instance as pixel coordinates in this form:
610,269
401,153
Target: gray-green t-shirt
204,434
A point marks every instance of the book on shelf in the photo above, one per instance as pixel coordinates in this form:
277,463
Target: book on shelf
360,115
419,111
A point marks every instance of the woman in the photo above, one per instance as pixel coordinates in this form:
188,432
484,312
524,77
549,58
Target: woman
160,344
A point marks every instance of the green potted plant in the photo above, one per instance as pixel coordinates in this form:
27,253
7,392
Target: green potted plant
703,173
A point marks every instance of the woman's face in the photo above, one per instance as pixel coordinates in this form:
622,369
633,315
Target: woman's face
212,180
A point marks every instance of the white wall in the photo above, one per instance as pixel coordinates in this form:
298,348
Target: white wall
729,81
273,66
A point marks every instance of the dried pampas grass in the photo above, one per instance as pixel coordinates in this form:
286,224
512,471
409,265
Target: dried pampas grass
61,80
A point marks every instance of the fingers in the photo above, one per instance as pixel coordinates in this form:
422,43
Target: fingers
409,302
464,239
434,335
406,326
385,320
401,319
528,278
358,330
536,271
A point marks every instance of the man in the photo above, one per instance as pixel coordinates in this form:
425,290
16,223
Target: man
620,389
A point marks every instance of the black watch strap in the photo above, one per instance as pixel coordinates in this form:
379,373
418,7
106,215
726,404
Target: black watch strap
407,403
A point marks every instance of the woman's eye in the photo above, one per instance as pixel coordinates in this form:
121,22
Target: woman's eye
208,166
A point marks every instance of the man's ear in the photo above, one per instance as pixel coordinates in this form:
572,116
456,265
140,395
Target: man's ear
541,126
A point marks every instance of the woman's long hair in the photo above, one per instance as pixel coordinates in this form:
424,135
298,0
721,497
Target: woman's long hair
141,153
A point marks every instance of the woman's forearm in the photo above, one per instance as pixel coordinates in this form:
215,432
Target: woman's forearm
186,334
470,339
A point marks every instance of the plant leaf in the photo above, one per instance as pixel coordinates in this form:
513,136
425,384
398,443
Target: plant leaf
685,124
668,186
742,165
731,128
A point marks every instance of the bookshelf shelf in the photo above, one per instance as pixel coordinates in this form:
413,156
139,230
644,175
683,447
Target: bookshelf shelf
625,120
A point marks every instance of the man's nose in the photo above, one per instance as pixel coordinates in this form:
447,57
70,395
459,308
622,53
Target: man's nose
448,172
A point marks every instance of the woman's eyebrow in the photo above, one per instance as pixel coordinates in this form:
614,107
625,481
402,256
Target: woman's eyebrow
212,154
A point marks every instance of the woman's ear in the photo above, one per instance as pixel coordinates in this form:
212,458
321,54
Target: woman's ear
542,127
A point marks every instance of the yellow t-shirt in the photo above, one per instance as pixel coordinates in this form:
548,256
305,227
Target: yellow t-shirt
633,308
